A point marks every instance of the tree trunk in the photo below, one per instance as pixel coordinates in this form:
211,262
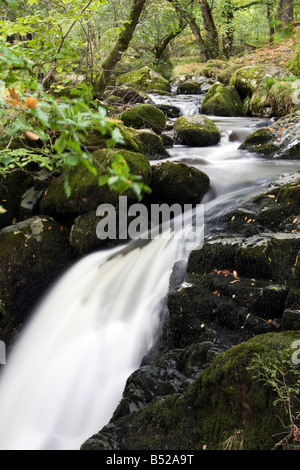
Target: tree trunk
185,15
120,47
210,28
161,47
285,11
229,31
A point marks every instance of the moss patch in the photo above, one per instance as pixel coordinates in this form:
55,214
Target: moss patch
145,116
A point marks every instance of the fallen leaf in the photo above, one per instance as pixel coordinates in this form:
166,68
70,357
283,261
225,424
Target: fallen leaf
32,136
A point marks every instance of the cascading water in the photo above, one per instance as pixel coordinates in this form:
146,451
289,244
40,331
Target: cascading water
67,372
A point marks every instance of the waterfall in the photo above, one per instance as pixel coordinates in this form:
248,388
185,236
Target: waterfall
67,372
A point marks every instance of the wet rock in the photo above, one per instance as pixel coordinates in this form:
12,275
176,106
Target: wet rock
144,79
130,95
169,110
87,195
33,253
197,130
189,88
281,140
12,189
224,398
175,182
152,145
222,101
145,116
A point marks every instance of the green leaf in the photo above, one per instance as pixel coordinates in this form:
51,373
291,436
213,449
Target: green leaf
67,187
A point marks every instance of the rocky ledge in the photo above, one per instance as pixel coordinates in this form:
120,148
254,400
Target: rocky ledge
234,317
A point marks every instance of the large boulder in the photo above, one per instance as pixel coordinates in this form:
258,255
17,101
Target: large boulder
222,101
189,88
280,140
33,253
144,79
145,116
176,182
86,194
225,407
248,79
197,131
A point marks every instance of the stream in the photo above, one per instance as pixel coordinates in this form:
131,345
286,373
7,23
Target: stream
67,372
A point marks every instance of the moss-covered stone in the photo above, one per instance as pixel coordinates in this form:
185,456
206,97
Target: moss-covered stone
144,79
175,182
188,88
224,408
151,144
129,95
247,79
261,141
222,101
86,192
293,65
197,130
145,116
280,140
84,238
95,140
11,190
33,254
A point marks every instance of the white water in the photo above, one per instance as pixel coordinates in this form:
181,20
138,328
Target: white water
67,372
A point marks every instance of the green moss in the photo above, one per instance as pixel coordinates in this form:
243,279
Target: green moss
95,140
261,141
145,116
174,182
86,193
222,101
293,65
197,130
144,79
188,88
224,400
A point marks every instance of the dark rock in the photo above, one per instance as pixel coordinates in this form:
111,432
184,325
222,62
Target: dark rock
197,130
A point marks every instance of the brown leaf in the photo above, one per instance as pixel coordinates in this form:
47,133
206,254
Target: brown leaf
32,136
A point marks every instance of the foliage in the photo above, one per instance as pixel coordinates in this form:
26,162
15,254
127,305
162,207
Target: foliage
282,376
38,128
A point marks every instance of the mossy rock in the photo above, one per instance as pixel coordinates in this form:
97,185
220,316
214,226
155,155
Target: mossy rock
188,88
144,79
33,254
95,140
86,194
84,238
145,116
293,65
222,101
12,189
261,141
280,140
269,257
248,79
151,144
176,182
225,408
129,95
197,131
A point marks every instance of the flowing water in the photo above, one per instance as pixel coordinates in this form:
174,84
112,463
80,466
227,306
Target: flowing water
67,371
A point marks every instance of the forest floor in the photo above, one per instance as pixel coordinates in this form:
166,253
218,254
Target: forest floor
272,53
